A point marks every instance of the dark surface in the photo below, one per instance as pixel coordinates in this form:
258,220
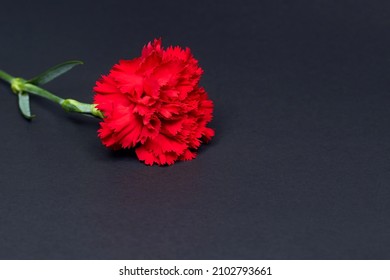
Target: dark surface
299,167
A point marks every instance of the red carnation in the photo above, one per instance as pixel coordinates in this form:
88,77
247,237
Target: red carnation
154,103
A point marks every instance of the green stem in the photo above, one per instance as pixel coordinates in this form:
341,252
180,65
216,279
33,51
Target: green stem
19,85
6,77
42,93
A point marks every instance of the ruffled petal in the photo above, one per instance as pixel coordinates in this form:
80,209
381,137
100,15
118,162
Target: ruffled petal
154,104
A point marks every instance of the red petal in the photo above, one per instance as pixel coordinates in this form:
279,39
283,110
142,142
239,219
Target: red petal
187,155
173,127
208,133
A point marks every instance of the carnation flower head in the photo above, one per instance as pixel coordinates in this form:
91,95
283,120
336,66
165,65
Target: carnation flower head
154,103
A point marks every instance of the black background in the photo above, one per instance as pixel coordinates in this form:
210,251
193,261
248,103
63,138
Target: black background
298,169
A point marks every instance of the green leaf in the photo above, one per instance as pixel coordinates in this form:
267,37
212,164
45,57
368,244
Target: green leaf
24,105
54,72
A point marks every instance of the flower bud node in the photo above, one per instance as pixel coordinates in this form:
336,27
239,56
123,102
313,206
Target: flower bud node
71,105
17,85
